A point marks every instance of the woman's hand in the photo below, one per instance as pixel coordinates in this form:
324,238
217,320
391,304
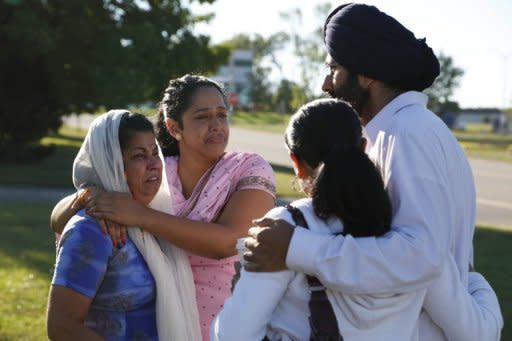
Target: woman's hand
83,195
119,208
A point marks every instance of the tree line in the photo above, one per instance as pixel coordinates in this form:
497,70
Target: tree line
61,56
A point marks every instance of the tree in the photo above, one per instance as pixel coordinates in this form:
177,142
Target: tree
307,48
441,91
264,51
60,56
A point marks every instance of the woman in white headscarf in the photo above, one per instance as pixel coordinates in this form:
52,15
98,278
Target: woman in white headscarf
144,288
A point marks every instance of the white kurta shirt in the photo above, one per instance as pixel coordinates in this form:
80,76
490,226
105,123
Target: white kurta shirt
432,192
275,304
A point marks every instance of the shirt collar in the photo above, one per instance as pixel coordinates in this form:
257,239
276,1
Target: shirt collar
384,116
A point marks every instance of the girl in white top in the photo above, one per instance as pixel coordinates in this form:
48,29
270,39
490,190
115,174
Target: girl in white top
346,195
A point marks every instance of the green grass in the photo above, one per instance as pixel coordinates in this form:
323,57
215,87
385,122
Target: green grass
53,171
27,256
266,121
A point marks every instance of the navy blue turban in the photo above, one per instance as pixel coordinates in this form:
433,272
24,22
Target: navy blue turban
369,42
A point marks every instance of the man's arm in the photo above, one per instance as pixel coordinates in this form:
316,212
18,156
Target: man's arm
407,258
464,313
62,212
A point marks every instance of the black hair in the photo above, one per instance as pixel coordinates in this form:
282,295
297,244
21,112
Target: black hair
348,185
176,100
133,123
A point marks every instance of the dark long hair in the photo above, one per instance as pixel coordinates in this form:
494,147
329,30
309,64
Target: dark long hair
132,123
348,185
176,100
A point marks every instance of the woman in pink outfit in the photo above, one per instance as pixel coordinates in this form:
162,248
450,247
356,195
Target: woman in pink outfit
215,194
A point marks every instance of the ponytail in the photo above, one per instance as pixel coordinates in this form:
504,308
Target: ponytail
327,135
350,187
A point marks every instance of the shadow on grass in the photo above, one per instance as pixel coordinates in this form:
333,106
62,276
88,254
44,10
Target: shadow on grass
492,258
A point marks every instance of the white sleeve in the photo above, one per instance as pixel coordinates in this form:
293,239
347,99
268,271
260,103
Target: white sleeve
247,313
407,258
462,313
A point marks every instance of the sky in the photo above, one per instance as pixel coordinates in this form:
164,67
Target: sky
477,34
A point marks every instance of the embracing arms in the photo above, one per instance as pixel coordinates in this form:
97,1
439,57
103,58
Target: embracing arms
208,239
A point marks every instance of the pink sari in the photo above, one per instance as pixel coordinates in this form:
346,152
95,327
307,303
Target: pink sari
234,171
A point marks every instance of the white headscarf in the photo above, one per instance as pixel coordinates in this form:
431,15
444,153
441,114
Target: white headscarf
100,162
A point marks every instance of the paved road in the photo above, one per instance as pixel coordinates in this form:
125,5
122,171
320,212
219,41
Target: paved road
493,179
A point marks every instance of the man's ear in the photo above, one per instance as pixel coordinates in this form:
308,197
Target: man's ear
364,82
172,127
299,166
364,143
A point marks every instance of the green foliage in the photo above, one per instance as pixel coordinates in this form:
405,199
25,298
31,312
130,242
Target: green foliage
62,56
441,91
307,48
284,96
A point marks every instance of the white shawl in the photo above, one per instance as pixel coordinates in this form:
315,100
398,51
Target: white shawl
100,162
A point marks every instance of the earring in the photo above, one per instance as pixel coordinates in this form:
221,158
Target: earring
178,136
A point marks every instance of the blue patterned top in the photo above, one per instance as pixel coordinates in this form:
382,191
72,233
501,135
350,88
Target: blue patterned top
117,280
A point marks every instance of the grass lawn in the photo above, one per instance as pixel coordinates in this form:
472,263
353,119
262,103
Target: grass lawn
27,256
54,171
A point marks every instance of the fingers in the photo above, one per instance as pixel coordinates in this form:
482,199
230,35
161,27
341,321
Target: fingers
114,233
264,222
80,199
254,232
124,234
103,226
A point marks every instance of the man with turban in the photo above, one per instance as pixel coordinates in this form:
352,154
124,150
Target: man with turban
379,66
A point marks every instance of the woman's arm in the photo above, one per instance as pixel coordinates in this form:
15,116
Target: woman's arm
62,212
208,239
67,310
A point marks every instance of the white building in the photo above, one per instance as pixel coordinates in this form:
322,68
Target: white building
236,77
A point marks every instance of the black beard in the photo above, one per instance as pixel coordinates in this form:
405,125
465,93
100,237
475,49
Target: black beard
352,93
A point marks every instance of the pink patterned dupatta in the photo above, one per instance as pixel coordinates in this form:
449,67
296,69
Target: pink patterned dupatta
234,171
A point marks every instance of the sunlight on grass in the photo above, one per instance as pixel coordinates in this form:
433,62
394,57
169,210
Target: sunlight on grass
27,255
23,304
266,121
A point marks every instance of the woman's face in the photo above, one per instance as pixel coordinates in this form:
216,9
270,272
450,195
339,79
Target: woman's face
142,166
205,130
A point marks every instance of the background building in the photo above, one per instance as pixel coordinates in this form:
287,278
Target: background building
236,77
